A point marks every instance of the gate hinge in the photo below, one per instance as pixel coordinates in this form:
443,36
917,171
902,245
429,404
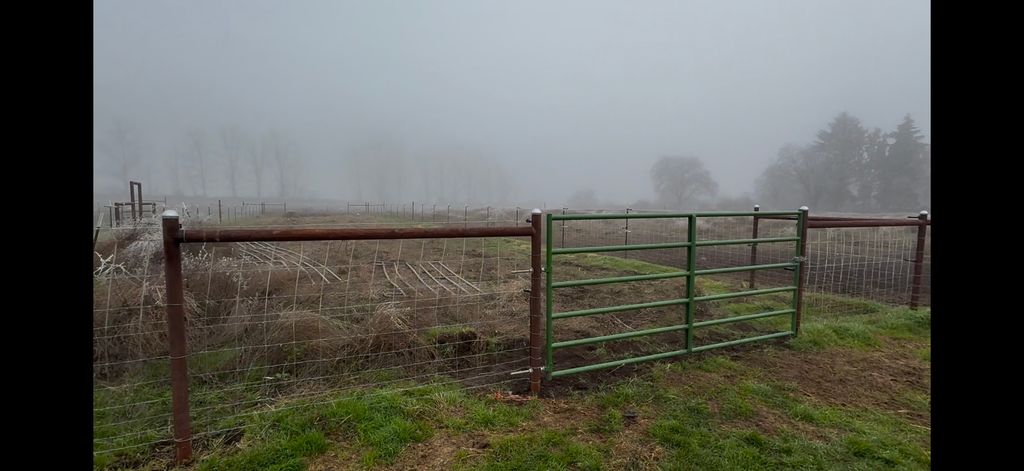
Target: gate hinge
528,370
799,259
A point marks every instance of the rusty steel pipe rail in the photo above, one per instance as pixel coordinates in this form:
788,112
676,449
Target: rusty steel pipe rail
826,224
312,234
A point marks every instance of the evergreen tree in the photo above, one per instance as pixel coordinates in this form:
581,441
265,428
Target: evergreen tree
901,172
842,150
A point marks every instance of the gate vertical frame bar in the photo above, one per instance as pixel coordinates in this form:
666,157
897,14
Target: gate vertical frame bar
548,301
800,274
691,277
536,358
753,249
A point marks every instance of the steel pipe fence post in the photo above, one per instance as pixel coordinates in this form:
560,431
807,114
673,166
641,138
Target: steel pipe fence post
536,359
176,337
915,290
801,270
753,249
220,217
131,191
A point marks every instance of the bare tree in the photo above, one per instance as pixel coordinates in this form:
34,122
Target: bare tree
279,149
232,143
174,169
121,146
196,149
582,199
682,180
257,160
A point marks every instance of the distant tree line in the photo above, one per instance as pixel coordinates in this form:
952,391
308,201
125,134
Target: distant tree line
848,168
851,168
229,161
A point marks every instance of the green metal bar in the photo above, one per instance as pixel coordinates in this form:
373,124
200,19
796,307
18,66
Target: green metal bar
578,217
616,248
669,354
617,279
624,335
740,294
691,280
763,240
627,361
747,317
624,307
742,341
548,301
767,266
801,228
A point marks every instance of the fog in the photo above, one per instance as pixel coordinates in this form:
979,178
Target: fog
488,102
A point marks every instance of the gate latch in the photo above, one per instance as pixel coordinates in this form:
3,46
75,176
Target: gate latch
528,370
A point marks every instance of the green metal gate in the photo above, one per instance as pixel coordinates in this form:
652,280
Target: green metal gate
691,273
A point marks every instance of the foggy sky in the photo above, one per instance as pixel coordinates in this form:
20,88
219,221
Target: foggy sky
566,95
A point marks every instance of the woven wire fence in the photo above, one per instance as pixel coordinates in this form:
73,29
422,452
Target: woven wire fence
279,325
860,270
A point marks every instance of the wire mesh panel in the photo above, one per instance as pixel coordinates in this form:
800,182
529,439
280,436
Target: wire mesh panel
273,325
850,270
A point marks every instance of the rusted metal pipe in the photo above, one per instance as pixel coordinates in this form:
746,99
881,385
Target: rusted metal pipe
536,285
823,224
922,229
131,192
176,337
309,234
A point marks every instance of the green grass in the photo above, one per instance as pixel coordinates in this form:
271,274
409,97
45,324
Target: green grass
699,438
865,331
548,449
699,412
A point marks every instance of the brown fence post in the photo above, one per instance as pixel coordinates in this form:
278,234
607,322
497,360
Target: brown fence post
922,230
220,217
753,249
802,270
131,191
536,285
176,337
